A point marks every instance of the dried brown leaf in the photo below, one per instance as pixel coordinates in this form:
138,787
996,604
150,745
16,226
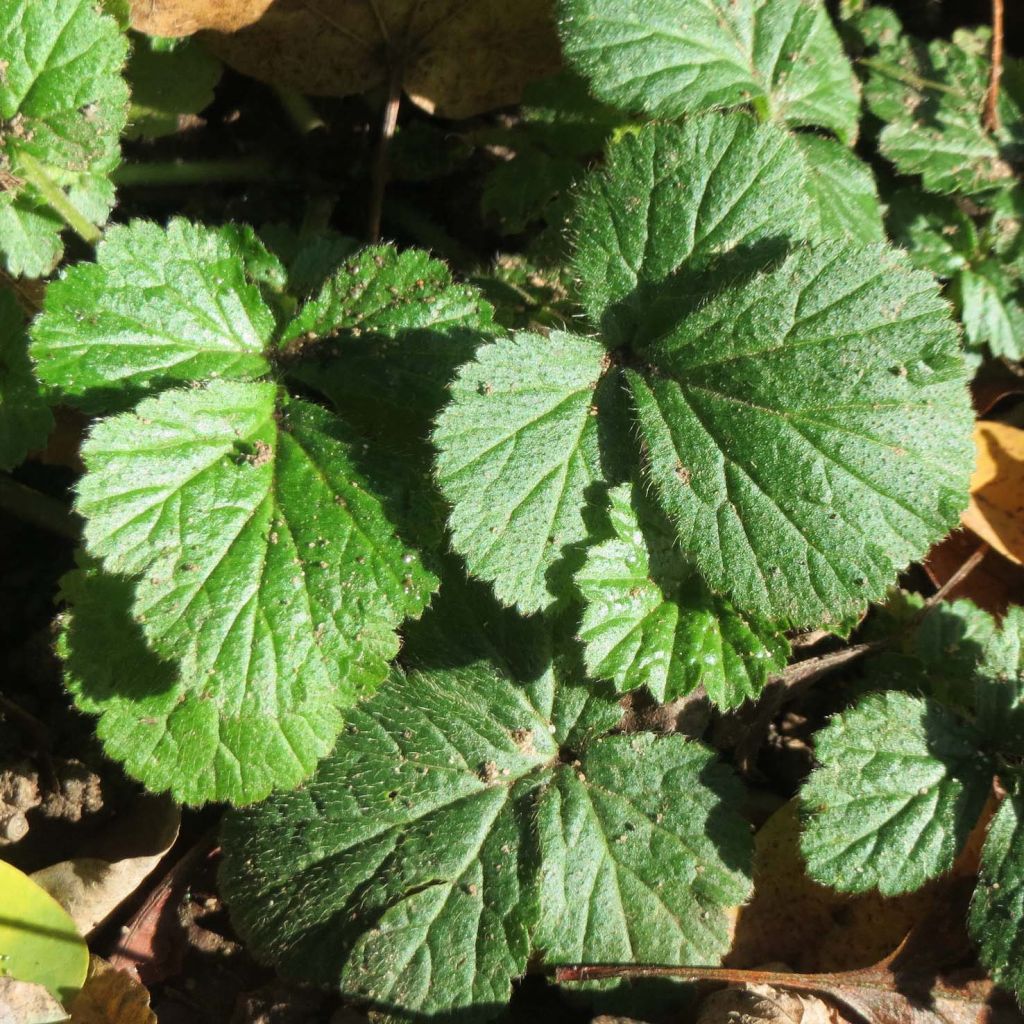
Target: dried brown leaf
996,511
807,926
453,58
184,17
91,888
763,1004
111,996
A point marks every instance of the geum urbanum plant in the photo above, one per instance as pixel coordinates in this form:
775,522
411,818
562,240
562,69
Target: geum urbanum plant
761,428
760,421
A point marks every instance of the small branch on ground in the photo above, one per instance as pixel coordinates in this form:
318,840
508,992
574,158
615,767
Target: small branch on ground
954,581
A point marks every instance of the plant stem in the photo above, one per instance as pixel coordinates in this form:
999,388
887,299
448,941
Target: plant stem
380,168
992,96
883,67
299,110
198,172
38,509
57,199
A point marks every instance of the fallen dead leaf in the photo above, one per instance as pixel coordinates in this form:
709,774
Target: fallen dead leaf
996,510
152,944
807,926
184,17
994,584
111,996
453,58
22,1002
763,1004
91,888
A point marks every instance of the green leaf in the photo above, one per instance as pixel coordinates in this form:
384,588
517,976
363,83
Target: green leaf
674,57
939,236
417,864
933,652
169,78
842,190
683,197
25,420
62,105
932,97
807,431
641,854
996,921
990,299
900,786
650,621
1000,686
159,307
517,456
383,338
518,192
265,570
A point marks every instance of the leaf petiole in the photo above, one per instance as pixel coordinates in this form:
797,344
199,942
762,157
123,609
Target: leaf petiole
57,199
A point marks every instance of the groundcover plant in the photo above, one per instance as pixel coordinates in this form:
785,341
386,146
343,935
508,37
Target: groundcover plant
478,569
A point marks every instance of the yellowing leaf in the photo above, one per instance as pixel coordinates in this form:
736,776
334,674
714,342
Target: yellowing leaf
996,511
452,57
38,941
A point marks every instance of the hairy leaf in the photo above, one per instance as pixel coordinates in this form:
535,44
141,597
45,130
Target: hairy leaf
159,307
842,190
996,920
170,79
633,870
415,836
991,300
650,621
683,197
939,236
266,572
934,653
444,832
25,420
62,107
1000,686
931,98
807,431
900,785
383,338
517,455
673,57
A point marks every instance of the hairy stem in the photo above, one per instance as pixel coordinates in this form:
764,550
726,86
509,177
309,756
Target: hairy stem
57,199
198,172
894,71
